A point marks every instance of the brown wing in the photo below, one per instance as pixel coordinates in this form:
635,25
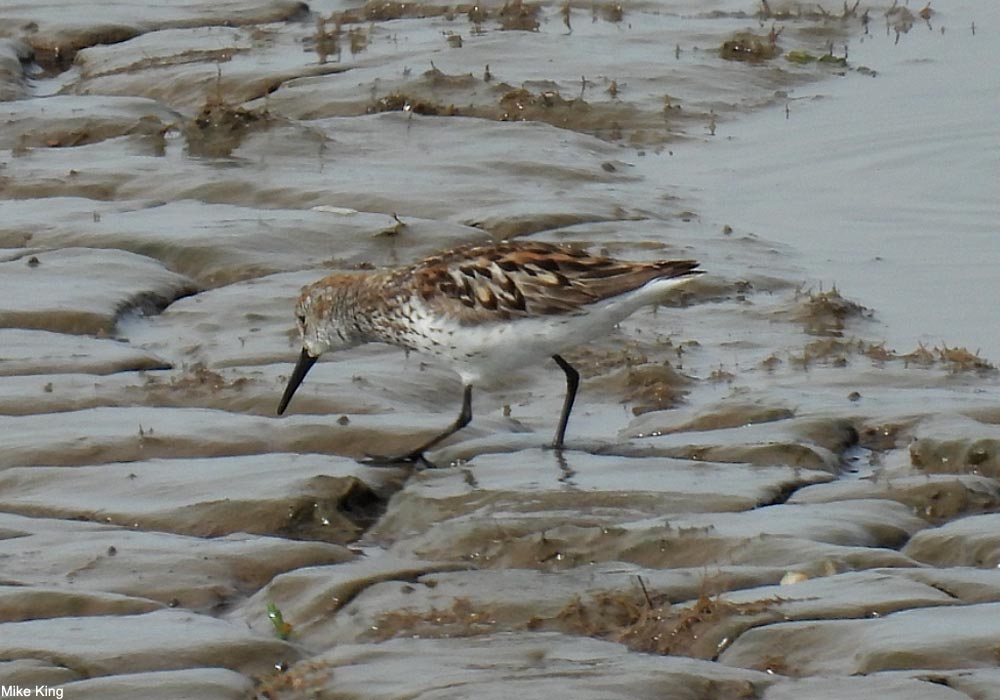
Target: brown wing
514,279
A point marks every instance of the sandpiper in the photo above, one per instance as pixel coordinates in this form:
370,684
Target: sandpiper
484,310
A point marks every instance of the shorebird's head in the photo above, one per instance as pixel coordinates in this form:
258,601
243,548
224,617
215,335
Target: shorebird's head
320,319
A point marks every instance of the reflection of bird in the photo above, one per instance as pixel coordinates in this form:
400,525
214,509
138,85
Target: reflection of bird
483,309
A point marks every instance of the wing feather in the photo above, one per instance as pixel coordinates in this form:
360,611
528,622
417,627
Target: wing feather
513,279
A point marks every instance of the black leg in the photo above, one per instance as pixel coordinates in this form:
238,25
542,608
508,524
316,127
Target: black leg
572,382
464,418
417,455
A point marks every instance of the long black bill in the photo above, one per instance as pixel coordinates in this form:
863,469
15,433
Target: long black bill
306,361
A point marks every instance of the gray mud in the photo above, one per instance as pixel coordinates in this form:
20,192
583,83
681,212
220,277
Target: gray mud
775,487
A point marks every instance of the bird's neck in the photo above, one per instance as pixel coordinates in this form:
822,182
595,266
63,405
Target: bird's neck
363,301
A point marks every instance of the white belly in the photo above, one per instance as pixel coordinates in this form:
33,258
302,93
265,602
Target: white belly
492,349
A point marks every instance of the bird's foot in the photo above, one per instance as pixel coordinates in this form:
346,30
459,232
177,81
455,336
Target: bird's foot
416,458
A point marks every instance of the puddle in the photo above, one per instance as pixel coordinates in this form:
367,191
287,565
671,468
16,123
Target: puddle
889,202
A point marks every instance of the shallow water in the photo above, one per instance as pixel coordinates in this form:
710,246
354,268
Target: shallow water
773,487
887,187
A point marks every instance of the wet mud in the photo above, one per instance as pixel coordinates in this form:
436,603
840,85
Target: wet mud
763,495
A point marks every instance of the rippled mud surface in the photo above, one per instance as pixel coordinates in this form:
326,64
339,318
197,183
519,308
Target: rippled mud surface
776,487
